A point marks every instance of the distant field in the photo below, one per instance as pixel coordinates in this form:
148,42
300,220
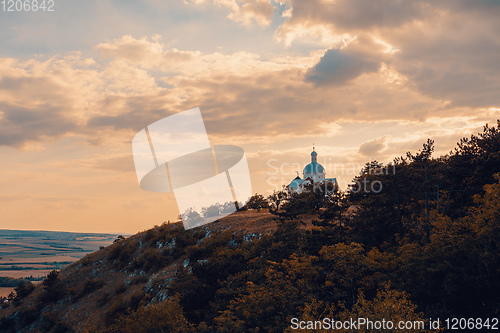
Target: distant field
36,253
26,273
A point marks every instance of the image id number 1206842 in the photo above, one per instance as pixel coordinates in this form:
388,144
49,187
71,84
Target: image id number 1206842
27,5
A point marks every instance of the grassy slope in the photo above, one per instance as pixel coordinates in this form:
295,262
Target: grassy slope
94,284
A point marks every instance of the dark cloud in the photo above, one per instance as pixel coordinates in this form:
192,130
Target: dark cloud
489,7
19,125
447,49
348,15
261,105
131,112
456,62
336,68
353,16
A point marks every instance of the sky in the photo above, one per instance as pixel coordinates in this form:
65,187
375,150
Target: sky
361,80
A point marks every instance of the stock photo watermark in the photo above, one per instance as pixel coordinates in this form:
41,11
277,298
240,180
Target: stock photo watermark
361,323
174,155
280,175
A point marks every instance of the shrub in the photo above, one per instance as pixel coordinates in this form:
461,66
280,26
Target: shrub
157,317
23,289
90,285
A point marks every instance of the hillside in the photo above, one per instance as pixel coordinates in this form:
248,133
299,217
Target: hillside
95,288
425,247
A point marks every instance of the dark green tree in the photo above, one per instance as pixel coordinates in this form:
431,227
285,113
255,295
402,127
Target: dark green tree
258,202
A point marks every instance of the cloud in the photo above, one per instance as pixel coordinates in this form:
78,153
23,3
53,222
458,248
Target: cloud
130,112
141,51
46,100
247,11
241,95
163,61
34,104
245,95
447,50
453,58
259,10
325,18
336,68
373,147
19,126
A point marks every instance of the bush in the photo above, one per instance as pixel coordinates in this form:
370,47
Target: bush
150,260
23,289
157,317
90,285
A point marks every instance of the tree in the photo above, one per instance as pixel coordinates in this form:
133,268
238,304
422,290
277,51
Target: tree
210,211
348,268
257,201
276,200
388,305
191,216
313,197
336,205
51,287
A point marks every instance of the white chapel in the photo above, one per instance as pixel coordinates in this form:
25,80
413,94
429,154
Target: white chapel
313,173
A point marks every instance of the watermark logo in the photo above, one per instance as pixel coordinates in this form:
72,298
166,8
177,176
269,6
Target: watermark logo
174,154
282,174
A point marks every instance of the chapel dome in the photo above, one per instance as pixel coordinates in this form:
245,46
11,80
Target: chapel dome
314,168
295,183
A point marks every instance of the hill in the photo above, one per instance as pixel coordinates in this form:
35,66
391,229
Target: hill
95,289
424,247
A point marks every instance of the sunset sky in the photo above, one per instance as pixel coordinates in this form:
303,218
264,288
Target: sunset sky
362,80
